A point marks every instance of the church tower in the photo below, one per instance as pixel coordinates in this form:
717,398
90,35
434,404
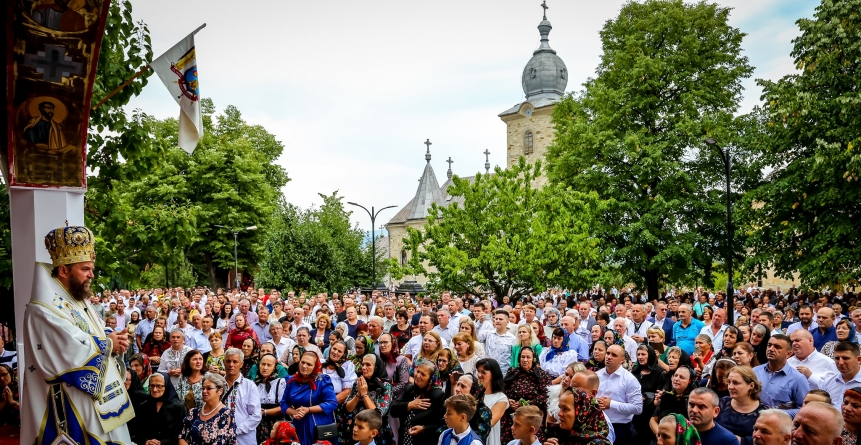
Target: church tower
544,79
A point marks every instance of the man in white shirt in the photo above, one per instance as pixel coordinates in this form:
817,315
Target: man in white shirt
446,329
298,322
847,357
641,325
619,394
529,315
499,341
195,338
483,320
241,396
716,329
171,360
814,365
620,325
282,344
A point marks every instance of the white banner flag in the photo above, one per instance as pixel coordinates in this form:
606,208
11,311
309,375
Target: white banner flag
177,68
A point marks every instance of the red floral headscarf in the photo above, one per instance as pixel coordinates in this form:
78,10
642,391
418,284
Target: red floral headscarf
311,379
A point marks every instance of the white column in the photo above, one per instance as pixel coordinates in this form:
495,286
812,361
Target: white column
34,213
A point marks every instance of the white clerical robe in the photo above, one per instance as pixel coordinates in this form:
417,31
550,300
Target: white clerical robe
73,388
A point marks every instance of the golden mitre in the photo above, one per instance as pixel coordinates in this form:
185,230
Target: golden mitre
70,245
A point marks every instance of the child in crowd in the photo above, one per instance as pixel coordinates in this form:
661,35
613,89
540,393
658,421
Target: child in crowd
527,420
367,426
458,410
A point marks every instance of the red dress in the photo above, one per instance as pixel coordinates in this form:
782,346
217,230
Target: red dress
237,336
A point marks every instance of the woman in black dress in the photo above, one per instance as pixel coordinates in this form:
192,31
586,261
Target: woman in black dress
648,373
421,407
162,413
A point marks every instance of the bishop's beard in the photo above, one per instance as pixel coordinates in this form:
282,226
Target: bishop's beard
79,289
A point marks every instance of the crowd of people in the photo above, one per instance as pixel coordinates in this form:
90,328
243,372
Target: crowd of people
599,367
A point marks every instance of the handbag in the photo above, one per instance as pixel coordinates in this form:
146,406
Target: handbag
323,432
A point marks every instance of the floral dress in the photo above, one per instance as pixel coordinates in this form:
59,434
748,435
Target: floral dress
530,387
382,399
190,394
218,430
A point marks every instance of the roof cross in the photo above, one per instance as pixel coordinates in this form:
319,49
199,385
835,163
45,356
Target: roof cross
428,155
449,167
545,7
486,160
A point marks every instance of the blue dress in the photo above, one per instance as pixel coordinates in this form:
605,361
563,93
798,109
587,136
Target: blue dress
740,424
297,395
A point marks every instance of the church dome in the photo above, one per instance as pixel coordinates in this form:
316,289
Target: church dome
545,76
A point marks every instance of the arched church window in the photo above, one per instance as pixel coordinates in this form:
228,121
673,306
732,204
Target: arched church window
527,142
403,258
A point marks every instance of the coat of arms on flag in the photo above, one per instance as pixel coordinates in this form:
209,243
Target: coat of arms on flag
177,69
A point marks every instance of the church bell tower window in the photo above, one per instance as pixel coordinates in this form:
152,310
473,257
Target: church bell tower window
527,142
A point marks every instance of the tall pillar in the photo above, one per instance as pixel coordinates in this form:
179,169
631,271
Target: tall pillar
34,213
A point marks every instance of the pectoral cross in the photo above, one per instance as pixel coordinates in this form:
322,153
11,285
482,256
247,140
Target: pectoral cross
544,5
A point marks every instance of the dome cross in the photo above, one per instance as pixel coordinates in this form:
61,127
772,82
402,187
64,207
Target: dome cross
545,7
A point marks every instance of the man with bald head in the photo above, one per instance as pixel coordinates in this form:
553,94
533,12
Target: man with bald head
817,423
812,364
772,427
588,382
641,325
716,329
825,332
619,394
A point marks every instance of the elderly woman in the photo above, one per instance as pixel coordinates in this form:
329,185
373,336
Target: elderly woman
480,422
251,352
580,419
309,398
527,382
431,347
552,320
372,390
139,363
558,356
599,353
271,387
421,407
161,414
674,401
845,332
397,371
703,353
739,411
759,336
676,358
213,423
851,410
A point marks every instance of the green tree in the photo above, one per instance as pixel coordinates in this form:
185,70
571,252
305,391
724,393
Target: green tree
315,250
805,216
670,76
506,236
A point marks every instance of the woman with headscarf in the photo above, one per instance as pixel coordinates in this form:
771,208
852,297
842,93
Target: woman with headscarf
480,422
251,352
538,329
676,358
675,401
581,421
162,413
10,410
525,385
344,329
851,410
648,373
364,346
139,363
556,358
449,371
271,388
845,331
552,320
309,398
421,407
397,370
137,395
676,430
759,336
280,368
614,338
599,353
372,390
341,371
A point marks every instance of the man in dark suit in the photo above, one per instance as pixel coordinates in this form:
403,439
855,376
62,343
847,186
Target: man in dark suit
427,308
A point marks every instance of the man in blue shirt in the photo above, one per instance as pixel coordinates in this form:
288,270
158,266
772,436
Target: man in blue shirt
686,329
825,332
783,387
703,407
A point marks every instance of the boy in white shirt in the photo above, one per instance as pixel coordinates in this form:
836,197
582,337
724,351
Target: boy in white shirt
458,410
527,420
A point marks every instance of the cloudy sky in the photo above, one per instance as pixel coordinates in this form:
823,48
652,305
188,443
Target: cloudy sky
354,88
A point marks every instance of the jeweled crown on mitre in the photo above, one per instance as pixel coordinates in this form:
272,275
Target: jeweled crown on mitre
70,245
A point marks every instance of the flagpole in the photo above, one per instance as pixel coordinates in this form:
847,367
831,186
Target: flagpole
136,75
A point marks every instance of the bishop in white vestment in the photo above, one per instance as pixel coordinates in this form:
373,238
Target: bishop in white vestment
73,385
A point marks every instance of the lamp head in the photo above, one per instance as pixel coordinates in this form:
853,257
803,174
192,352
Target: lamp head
711,141
251,228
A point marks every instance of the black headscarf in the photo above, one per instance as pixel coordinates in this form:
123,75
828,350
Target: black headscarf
514,373
651,363
169,391
329,362
760,349
477,389
380,377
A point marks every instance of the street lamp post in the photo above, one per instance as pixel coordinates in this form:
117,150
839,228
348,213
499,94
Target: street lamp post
373,216
726,157
235,251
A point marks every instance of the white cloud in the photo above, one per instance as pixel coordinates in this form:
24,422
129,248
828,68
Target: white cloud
352,89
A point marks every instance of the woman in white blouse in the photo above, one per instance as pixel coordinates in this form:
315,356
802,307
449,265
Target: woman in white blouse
466,325
271,389
340,370
558,356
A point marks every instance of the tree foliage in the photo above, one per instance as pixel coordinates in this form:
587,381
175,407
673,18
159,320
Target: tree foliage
507,236
805,217
315,249
670,76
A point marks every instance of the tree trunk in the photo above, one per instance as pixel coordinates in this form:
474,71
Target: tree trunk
214,282
651,277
